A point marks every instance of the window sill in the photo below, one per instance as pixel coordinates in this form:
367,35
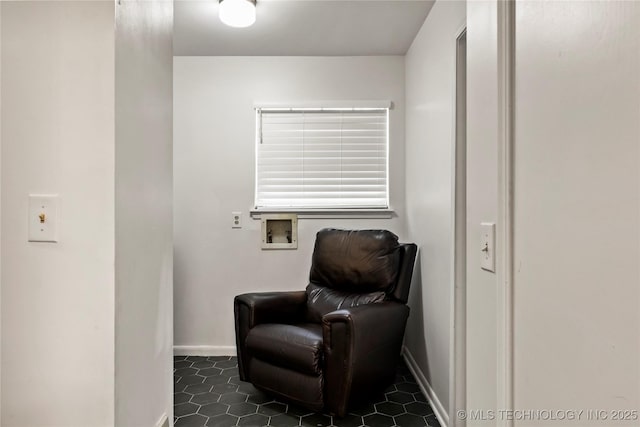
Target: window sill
329,213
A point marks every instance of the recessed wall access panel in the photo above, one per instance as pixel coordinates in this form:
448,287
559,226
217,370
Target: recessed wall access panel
280,231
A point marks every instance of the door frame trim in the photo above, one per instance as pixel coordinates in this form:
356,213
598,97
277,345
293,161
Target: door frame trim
457,346
506,194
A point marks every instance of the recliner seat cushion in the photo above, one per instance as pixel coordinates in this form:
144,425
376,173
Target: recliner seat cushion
321,300
296,347
355,260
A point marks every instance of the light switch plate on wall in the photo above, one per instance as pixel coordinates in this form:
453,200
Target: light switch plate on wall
488,246
43,218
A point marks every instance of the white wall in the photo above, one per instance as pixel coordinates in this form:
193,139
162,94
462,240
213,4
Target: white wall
57,137
0,215
143,207
69,129
214,175
482,287
577,212
430,86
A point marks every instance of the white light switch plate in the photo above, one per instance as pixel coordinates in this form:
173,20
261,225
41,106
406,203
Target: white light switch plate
488,246
43,218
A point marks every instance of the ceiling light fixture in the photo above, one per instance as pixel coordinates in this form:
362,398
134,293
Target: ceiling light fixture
238,13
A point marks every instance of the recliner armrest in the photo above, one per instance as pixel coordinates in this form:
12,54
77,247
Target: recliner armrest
273,307
361,347
264,307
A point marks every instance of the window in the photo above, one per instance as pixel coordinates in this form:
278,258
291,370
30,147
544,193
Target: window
322,158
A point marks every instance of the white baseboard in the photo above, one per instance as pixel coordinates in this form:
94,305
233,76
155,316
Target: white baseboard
163,421
204,350
439,410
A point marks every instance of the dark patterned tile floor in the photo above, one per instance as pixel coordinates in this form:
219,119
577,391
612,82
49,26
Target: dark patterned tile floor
209,393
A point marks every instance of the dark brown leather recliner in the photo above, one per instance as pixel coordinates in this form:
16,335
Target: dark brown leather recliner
339,342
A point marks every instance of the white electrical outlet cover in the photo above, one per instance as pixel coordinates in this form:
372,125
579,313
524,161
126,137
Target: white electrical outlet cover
236,219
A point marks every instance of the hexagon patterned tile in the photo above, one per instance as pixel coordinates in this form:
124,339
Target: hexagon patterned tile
209,393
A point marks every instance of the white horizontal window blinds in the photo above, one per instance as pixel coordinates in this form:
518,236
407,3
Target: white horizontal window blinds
322,159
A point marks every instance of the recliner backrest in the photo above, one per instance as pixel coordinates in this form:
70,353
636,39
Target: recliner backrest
359,261
408,252
322,300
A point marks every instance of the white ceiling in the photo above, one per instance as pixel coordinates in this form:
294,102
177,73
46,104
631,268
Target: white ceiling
301,27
